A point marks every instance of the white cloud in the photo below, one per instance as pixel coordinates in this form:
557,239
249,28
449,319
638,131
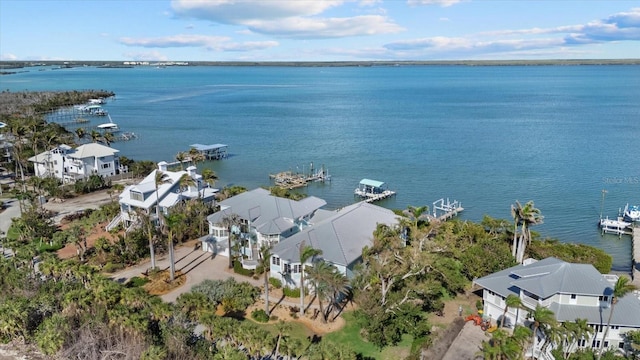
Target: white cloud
175,41
443,3
216,43
287,19
308,28
239,11
8,57
146,56
618,27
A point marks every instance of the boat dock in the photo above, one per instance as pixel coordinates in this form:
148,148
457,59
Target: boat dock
443,211
635,261
213,151
290,180
372,190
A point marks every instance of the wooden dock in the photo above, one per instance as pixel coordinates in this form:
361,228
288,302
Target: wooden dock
635,261
445,210
375,197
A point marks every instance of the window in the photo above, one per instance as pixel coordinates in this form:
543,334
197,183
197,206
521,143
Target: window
606,344
297,268
287,268
275,261
136,196
106,166
595,344
603,298
621,345
573,296
582,342
614,327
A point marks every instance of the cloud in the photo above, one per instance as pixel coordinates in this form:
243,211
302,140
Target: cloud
443,3
239,11
287,19
216,43
624,26
175,41
307,28
146,56
8,57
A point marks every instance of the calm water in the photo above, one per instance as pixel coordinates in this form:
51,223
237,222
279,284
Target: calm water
486,136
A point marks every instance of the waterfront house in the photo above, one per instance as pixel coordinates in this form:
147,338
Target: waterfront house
571,291
263,219
142,196
341,235
70,165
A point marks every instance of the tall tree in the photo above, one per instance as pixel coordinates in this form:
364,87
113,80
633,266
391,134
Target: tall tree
620,289
209,177
186,181
108,138
320,274
511,301
265,264
95,136
543,318
524,217
180,157
81,133
171,224
160,179
307,252
230,221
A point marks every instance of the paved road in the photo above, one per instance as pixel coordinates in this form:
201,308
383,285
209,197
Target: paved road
11,210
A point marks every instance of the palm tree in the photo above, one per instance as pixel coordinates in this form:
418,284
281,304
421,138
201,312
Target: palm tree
543,318
229,221
320,275
306,253
524,217
186,181
620,289
81,133
209,177
147,221
180,157
511,301
108,138
171,224
575,331
265,263
95,136
160,179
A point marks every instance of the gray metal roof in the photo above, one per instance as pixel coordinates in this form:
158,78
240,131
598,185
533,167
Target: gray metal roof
626,313
547,277
267,213
201,147
341,237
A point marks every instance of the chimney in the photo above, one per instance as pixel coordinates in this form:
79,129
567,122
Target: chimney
162,166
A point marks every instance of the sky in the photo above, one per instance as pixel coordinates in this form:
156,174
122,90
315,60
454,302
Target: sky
318,30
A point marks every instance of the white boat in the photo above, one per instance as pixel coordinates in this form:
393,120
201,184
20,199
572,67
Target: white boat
631,213
111,127
618,226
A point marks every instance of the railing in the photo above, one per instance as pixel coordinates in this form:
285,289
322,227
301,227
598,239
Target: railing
115,222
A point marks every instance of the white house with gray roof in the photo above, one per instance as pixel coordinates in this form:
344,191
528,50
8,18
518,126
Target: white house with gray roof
142,196
571,291
341,235
264,219
70,165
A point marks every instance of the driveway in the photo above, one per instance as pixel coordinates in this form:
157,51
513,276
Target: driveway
197,266
468,343
11,210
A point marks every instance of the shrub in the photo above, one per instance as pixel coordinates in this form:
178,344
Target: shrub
260,315
137,281
276,283
289,292
112,267
238,269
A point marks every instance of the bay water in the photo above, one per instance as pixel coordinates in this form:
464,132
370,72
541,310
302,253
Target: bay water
483,135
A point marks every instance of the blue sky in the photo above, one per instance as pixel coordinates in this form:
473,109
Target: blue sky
318,30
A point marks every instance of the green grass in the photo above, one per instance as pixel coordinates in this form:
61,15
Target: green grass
298,330
350,334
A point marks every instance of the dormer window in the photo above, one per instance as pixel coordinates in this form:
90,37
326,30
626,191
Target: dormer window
136,195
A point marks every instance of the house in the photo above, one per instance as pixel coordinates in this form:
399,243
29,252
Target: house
571,291
263,219
142,196
70,165
341,235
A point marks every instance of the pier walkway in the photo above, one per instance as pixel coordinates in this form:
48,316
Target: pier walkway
443,211
635,249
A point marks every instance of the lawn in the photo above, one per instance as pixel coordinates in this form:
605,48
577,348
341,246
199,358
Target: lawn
350,334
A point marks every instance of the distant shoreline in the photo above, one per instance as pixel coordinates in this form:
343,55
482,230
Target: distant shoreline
130,64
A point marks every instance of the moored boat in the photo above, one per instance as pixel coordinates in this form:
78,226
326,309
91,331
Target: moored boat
631,213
